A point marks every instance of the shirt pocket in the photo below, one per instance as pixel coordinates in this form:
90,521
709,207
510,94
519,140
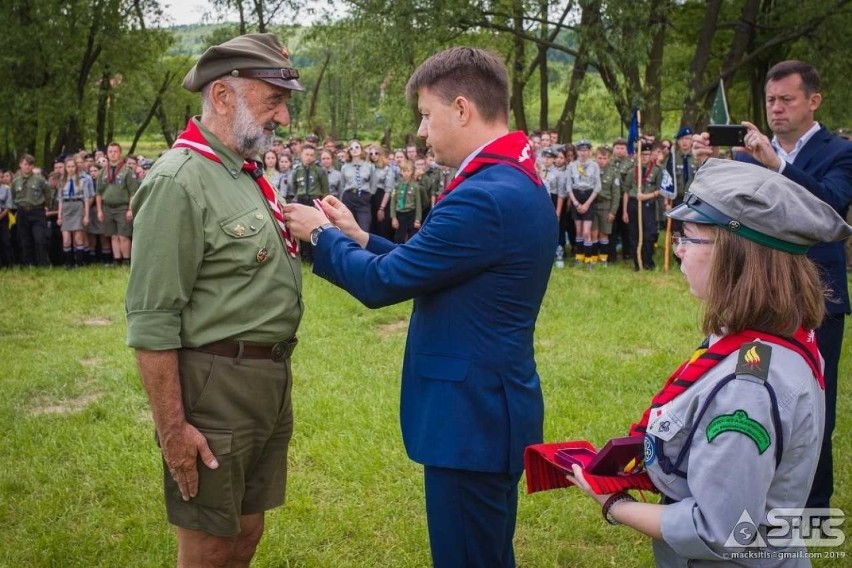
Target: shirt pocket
441,367
246,238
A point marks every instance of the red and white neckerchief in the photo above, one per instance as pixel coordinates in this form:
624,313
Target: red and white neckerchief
513,149
193,139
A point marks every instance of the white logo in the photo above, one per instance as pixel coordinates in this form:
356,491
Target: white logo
788,527
811,336
525,154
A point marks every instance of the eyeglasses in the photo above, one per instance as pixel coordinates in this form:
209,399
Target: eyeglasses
373,153
354,147
679,240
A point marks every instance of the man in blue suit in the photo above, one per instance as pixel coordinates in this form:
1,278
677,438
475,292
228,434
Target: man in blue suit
807,153
477,271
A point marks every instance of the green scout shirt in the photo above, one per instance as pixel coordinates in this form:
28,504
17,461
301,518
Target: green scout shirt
609,199
627,169
117,189
31,191
682,187
652,182
430,186
209,261
406,196
308,181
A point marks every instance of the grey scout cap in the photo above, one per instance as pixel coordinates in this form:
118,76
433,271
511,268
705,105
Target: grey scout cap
253,56
760,205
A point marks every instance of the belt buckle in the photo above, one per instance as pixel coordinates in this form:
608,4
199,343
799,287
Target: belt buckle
282,350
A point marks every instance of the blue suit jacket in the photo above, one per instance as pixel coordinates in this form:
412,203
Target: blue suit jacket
824,167
477,270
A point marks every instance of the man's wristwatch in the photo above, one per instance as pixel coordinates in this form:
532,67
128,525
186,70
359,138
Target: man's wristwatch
316,232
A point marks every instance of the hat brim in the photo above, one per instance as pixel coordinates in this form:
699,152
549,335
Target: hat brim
683,213
292,84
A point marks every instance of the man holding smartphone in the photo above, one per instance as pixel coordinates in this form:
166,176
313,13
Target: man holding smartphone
809,154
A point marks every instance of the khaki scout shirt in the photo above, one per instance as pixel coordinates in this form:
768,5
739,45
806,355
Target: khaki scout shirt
31,191
627,170
118,190
609,198
209,261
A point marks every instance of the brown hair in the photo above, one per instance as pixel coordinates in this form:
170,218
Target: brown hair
28,158
809,75
381,162
755,287
473,73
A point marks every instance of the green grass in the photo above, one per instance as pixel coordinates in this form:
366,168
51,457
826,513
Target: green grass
80,481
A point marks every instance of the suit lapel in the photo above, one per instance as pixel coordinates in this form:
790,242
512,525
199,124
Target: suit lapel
812,148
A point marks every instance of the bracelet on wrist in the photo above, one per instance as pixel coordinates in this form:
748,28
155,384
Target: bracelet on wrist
613,499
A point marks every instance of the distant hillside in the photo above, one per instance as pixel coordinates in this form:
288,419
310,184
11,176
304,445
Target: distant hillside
190,40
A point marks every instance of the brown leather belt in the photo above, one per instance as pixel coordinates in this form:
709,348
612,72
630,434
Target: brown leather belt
277,352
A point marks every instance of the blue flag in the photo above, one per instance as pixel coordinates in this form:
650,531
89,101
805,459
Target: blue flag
633,132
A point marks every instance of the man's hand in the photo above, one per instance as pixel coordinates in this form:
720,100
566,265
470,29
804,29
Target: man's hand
301,219
758,146
181,449
701,148
342,217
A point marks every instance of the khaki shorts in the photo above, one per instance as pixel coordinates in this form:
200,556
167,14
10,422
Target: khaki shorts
600,222
243,409
115,221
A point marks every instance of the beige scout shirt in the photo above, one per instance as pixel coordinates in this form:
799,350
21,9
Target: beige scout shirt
209,262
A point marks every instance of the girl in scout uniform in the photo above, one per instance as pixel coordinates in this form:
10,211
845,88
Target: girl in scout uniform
379,224
270,167
733,437
76,194
359,184
406,206
285,166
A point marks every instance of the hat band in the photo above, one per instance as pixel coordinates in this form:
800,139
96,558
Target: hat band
286,73
732,225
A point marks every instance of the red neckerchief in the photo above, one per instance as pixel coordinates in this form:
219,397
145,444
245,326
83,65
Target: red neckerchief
803,342
193,139
513,149
112,171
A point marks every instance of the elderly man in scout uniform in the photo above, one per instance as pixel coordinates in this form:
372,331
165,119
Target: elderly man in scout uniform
115,188
32,196
213,304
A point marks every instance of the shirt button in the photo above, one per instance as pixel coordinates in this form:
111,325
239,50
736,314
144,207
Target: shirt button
234,173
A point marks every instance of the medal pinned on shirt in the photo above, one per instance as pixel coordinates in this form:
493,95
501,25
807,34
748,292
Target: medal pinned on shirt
262,255
239,230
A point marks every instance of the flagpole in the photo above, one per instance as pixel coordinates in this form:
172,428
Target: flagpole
668,243
639,188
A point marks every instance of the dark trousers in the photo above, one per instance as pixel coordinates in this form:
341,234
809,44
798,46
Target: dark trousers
405,230
566,225
649,231
360,207
829,339
471,517
5,243
381,228
32,232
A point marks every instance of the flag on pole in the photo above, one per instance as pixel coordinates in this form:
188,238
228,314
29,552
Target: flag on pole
719,111
633,132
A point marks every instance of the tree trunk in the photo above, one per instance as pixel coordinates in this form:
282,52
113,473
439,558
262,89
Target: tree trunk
158,101
312,108
260,13
165,127
517,99
103,102
700,59
544,95
652,111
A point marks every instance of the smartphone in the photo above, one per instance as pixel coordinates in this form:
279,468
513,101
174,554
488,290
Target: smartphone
618,453
566,457
727,134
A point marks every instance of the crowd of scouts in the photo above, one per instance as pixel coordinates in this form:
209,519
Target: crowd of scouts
80,213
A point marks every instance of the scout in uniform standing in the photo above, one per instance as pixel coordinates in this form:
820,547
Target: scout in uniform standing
607,203
32,196
584,186
307,182
115,188
733,437
683,166
213,304
651,177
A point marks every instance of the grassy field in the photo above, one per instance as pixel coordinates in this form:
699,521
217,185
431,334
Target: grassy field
80,476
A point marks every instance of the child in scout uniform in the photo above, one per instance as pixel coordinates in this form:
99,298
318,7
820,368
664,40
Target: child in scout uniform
584,185
75,200
607,203
649,180
732,439
406,207
116,186
308,182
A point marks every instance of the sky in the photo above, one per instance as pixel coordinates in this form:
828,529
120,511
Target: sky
184,12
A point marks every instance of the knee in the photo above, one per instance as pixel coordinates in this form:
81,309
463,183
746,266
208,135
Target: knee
246,543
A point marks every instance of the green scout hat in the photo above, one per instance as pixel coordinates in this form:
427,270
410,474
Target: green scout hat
253,56
760,205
